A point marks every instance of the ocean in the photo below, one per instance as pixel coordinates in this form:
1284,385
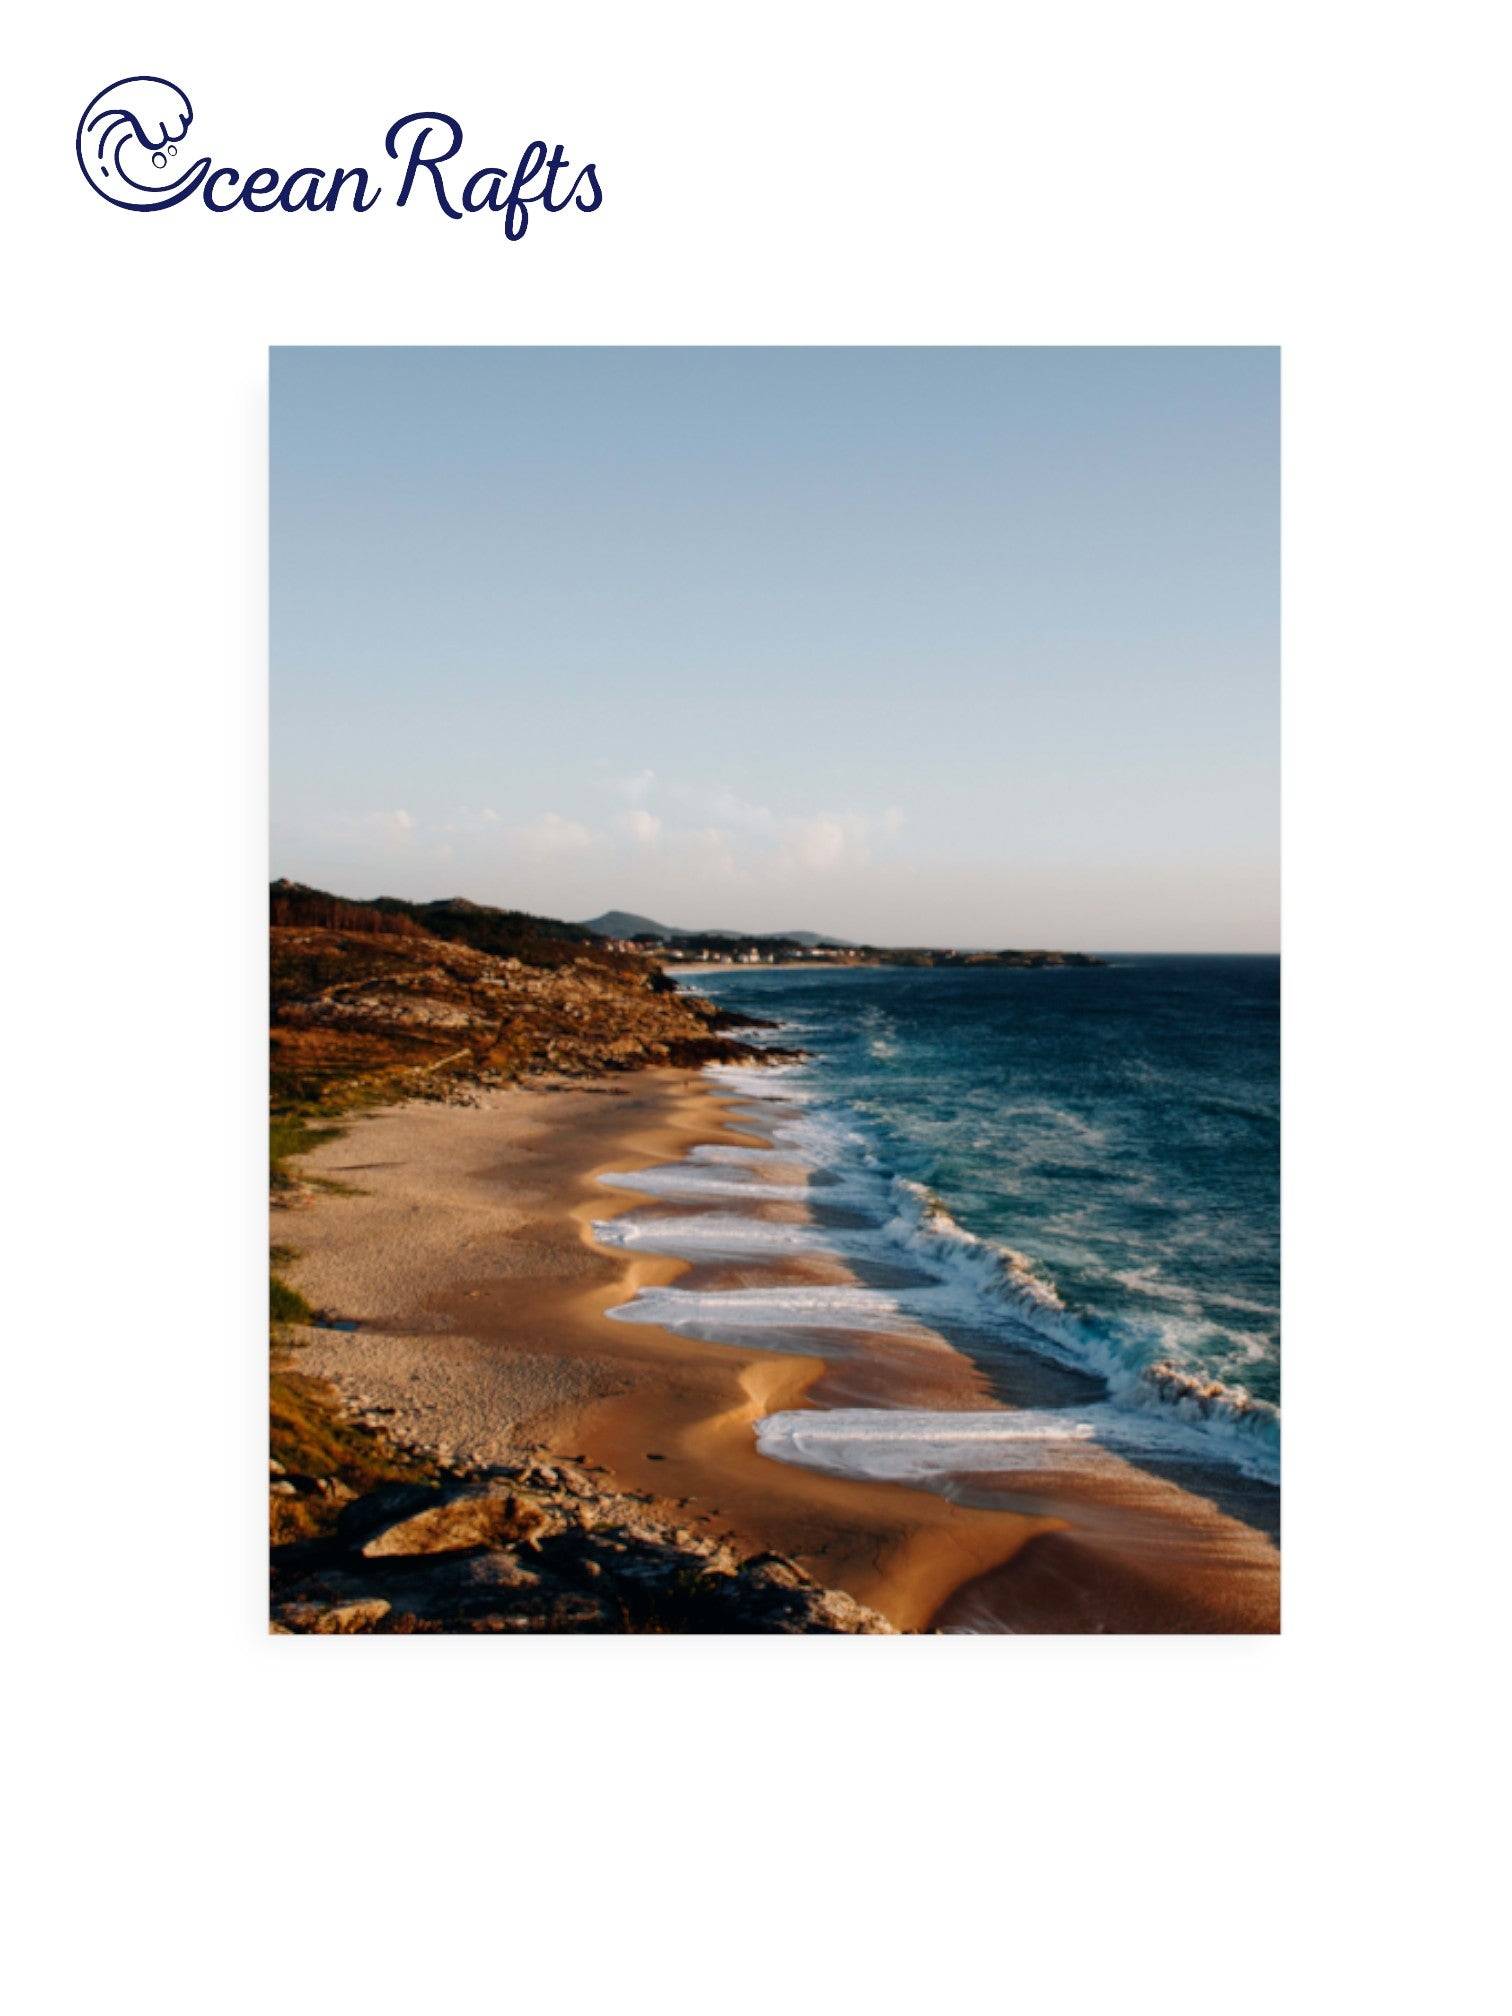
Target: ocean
1069,1169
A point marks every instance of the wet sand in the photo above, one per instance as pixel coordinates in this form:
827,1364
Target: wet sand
468,1264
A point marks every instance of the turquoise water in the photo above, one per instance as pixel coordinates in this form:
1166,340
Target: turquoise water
1083,1161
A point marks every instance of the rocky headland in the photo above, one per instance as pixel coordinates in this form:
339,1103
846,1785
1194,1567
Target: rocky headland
409,1000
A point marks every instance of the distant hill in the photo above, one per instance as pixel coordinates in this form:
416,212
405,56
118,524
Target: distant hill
626,924
505,934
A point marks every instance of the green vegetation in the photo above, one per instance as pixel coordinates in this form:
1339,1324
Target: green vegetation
308,1435
286,1304
292,1134
507,934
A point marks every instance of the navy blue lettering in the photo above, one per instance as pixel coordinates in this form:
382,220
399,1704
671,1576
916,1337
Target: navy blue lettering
554,168
361,190
418,159
220,175
261,182
311,198
589,176
423,142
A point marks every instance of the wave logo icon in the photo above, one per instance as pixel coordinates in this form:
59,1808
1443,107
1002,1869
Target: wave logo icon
129,140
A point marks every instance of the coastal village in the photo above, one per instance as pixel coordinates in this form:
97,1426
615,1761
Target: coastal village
625,932
676,954
789,952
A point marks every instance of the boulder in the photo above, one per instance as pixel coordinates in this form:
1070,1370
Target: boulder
489,1519
348,1617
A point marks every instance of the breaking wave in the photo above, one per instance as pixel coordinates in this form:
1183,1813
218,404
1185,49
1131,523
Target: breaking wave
1163,1352
914,1446
1133,1358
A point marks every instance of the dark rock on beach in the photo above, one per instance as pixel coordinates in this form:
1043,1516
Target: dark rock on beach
487,1552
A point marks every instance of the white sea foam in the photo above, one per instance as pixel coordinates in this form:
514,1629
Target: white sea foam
1135,1361
972,1285
724,1157
781,1082
1054,1120
906,1444
693,1181
876,1442
719,1232
714,1312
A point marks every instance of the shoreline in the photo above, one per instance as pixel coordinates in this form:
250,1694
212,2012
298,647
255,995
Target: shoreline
462,1266
467,1263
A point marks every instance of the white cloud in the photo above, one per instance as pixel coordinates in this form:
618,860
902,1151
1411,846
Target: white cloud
552,834
818,843
636,787
388,827
642,826
710,847
730,809
703,831
468,824
793,843
827,841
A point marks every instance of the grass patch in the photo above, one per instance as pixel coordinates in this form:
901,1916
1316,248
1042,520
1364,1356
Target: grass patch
298,1125
307,1432
286,1304
291,1134
310,1438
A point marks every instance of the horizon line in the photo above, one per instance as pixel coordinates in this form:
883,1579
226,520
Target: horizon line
833,937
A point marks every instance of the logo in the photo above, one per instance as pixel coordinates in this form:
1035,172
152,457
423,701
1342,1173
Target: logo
128,144
132,147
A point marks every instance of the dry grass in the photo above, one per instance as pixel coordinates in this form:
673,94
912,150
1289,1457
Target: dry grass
310,1437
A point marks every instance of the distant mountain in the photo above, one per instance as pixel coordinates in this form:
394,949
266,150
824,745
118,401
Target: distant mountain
626,924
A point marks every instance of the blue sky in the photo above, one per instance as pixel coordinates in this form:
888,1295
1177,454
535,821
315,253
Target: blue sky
937,646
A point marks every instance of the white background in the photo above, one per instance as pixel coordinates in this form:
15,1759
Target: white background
209,1819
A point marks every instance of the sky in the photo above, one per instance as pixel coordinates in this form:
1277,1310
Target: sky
970,647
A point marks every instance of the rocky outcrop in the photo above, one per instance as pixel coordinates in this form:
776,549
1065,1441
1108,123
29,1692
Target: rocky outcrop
354,1008
539,1547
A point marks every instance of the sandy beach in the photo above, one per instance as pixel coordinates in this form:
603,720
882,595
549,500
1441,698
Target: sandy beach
466,1261
462,1296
